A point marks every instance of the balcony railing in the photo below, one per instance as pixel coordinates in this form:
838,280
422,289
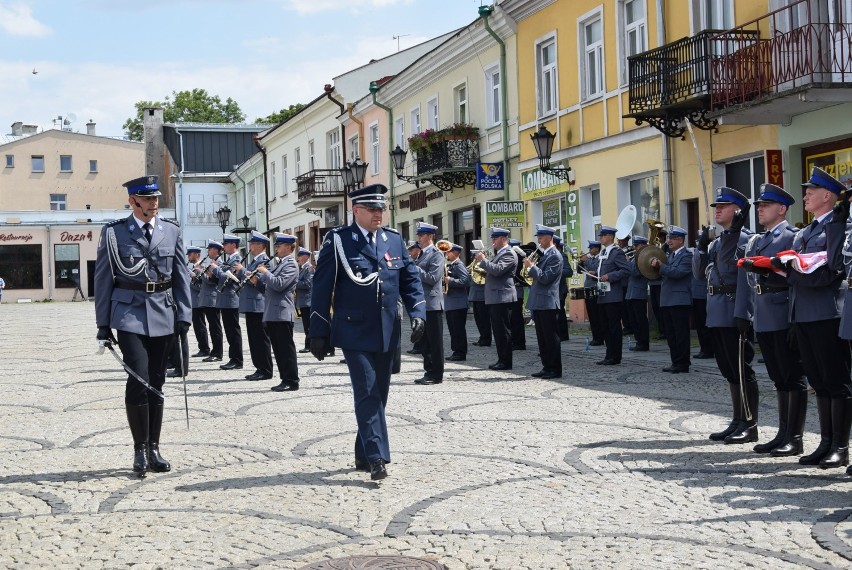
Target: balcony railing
797,46
450,163
319,183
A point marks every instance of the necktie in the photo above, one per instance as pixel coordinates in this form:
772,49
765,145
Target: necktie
147,228
814,224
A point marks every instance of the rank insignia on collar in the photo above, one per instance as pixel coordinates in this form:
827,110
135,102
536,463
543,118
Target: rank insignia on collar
354,236
384,236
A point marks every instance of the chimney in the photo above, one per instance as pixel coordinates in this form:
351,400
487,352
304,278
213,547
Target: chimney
90,127
30,129
155,148
17,129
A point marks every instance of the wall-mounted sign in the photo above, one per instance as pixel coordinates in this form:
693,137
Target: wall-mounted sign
538,184
502,214
774,167
68,236
16,237
550,214
489,176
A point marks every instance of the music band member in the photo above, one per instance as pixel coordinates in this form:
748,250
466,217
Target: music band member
481,316
304,284
199,322
430,265
456,305
613,272
543,301
253,304
228,302
729,312
636,297
500,293
143,293
589,266
362,271
207,301
676,299
516,318
567,273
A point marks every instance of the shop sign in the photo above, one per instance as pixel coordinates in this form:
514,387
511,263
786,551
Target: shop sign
538,184
489,176
16,237
68,236
502,214
572,231
837,163
774,167
550,212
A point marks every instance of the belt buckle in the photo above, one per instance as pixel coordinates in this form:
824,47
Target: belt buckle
759,289
150,287
711,290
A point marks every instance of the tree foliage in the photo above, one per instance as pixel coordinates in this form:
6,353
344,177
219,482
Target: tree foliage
196,106
281,116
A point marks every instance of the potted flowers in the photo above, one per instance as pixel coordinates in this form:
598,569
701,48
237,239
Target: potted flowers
424,143
461,131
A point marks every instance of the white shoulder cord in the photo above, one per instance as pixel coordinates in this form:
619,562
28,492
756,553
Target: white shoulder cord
847,255
115,258
362,281
751,277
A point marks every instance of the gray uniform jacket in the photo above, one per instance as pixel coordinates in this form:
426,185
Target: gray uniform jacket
676,279
304,283
728,294
771,307
546,276
637,284
135,311
280,285
500,277
227,298
616,266
476,293
699,286
194,288
839,246
456,297
591,264
430,266
816,296
208,295
251,296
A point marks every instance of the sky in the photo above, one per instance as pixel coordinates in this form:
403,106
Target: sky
94,59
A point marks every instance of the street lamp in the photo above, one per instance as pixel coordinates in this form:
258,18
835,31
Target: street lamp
353,173
543,143
398,157
245,222
224,215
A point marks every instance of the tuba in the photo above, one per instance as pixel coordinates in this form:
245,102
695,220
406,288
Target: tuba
444,246
651,251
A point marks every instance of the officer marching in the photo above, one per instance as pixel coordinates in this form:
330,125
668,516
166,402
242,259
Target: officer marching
143,293
500,293
304,283
431,266
252,304
455,303
543,302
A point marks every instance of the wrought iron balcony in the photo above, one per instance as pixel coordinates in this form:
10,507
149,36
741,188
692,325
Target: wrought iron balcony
319,188
789,61
450,163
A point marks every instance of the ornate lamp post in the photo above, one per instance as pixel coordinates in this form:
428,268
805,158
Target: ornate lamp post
224,215
543,143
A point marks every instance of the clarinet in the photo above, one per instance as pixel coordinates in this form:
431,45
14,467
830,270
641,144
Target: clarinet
250,274
196,277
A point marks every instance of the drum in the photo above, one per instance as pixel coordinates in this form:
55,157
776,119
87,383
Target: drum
577,293
591,292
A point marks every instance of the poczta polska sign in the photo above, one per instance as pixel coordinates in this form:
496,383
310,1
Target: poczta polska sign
502,214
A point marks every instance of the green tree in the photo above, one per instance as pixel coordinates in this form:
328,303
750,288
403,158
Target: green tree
196,106
280,116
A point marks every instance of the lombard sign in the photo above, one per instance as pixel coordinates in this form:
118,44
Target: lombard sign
538,184
505,214
490,176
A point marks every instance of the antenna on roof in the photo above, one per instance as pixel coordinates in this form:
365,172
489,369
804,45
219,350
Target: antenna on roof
397,39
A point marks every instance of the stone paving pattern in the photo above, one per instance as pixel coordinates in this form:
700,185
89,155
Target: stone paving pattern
609,467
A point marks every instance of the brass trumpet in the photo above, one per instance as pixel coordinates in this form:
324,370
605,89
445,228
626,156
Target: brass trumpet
444,246
477,274
525,271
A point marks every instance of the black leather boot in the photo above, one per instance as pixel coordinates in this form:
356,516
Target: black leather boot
747,430
824,411
737,417
137,418
783,411
155,424
841,422
798,409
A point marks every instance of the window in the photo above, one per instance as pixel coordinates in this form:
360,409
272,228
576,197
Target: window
353,146
399,133
298,162
311,156
460,96
67,265
38,163
645,196
415,121
93,166
712,14
592,64
65,163
634,33
493,99
285,179
747,176
58,201
21,267
546,78
374,148
219,201
251,194
432,114
196,205
273,179
10,161
335,155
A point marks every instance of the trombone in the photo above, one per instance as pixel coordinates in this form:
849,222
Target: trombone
444,246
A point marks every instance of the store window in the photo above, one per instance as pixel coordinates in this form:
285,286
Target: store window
645,196
20,266
67,265
465,227
747,176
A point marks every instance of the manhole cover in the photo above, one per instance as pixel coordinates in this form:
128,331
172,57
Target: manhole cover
376,563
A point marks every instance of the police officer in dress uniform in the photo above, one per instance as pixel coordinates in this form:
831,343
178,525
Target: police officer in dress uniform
543,302
228,302
729,311
252,305
636,296
430,266
363,270
613,272
304,283
699,315
676,299
207,301
279,311
516,319
199,323
143,293
816,305
481,316
414,251
455,304
567,273
589,264
500,293
771,324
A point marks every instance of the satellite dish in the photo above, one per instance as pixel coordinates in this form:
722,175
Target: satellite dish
70,118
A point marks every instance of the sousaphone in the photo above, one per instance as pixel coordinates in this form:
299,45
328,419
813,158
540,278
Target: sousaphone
652,251
624,223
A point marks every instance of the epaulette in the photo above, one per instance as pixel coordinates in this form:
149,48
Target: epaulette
792,228
115,222
171,221
393,231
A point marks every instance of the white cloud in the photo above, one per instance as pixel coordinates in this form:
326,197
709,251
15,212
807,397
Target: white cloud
17,20
313,6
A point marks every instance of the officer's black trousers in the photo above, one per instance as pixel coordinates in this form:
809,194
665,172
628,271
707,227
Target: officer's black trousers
597,323
281,335
433,346
145,355
234,334
482,318
516,323
499,313
562,319
548,339
639,321
260,347
306,324
199,327
825,358
675,321
783,362
726,349
699,319
612,313
457,325
214,321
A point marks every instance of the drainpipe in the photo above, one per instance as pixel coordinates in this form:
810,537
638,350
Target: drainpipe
265,180
374,88
49,265
349,108
328,88
484,12
668,173
181,213
245,195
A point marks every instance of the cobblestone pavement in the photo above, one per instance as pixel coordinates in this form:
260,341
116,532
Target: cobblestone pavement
609,467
